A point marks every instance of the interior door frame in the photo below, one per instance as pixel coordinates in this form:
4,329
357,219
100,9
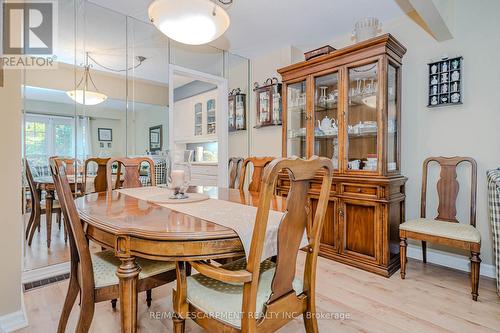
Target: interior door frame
221,115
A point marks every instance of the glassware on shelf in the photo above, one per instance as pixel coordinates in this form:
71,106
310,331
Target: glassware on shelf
362,126
326,116
296,119
322,98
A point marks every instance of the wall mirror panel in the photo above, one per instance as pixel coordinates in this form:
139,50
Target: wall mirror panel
122,64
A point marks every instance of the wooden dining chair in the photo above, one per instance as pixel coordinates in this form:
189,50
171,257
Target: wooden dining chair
131,168
37,206
445,229
266,293
100,182
258,163
234,166
73,168
93,275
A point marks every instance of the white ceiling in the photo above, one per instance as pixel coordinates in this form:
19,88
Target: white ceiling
257,27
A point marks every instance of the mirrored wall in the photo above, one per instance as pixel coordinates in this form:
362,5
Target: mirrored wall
123,64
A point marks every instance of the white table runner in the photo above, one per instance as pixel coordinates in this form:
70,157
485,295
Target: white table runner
238,217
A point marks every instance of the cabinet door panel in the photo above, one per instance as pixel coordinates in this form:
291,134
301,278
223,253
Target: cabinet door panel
329,236
361,227
296,114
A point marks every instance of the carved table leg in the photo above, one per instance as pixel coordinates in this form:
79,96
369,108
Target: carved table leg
402,256
128,273
474,274
49,200
180,298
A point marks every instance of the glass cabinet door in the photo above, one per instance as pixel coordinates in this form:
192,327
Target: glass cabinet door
326,97
392,119
296,119
362,126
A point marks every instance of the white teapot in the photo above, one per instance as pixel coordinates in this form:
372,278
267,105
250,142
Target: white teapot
325,124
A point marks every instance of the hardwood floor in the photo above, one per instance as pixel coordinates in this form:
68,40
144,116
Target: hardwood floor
38,255
431,299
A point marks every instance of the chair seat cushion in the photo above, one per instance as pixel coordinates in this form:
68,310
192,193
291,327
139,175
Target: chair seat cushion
224,300
451,230
105,264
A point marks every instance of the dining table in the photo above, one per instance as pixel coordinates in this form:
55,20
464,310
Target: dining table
134,227
46,184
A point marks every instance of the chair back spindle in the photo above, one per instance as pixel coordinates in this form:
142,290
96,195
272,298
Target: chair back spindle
100,179
448,188
235,164
258,163
131,167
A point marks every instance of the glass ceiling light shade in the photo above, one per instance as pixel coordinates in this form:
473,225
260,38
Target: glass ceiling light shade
86,97
193,22
83,95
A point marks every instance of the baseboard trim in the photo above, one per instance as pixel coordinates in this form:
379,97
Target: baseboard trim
449,260
45,272
15,320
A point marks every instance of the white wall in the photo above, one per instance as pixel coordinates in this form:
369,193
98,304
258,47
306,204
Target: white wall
144,119
10,203
471,129
266,141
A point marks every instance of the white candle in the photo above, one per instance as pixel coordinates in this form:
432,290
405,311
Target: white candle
177,178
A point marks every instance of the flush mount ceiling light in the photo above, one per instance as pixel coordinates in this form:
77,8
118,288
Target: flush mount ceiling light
193,22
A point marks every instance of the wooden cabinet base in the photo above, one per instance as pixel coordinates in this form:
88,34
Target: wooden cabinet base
384,270
361,226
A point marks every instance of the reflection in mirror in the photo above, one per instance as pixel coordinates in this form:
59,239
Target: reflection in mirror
238,75
126,61
49,129
196,125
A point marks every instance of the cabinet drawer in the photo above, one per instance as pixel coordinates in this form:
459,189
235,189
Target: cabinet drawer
204,169
358,189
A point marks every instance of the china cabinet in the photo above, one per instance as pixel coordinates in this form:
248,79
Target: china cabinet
346,106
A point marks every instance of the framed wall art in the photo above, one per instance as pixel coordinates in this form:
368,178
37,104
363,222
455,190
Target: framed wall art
105,134
155,138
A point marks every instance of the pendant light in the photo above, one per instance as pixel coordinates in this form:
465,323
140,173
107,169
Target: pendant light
82,95
193,22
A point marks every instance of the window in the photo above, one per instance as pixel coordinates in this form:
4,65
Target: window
47,136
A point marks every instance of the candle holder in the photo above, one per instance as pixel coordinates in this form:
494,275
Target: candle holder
179,176
179,193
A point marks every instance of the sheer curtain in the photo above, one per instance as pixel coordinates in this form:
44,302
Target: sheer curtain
83,139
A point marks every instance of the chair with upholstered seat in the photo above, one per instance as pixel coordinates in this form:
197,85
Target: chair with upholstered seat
94,275
258,164
256,295
445,229
37,206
